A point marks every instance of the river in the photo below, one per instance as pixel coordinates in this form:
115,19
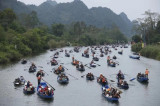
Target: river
82,92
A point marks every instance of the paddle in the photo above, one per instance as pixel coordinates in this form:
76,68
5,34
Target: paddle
97,64
49,84
83,75
132,79
40,66
87,66
17,89
65,68
111,80
71,75
45,72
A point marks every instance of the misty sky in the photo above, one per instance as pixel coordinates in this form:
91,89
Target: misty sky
133,8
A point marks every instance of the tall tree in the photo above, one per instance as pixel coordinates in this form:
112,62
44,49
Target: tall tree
7,17
58,29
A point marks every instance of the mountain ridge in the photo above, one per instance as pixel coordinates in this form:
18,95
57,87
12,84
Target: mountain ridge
50,12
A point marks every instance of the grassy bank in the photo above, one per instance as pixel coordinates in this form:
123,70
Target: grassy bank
150,51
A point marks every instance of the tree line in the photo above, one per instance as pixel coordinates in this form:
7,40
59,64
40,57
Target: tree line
147,32
22,35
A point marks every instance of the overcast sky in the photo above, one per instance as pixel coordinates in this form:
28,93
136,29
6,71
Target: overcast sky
133,8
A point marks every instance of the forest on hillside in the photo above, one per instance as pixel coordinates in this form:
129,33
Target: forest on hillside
26,35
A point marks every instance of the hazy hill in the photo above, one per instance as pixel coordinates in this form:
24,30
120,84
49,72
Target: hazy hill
50,12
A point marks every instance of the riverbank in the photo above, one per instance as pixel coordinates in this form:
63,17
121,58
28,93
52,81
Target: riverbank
150,51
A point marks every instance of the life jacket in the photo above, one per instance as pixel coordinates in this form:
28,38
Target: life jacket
60,67
103,80
39,78
146,72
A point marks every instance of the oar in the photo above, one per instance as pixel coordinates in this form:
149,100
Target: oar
116,88
49,84
40,66
71,75
83,75
45,72
87,66
132,79
65,68
17,89
97,64
111,80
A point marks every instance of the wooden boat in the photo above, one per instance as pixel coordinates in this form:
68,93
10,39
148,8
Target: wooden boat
95,58
43,85
32,69
90,77
123,86
53,63
28,90
80,69
109,98
85,55
24,61
76,49
93,65
62,79
18,82
56,71
114,57
142,78
111,64
134,56
99,80
67,54
120,52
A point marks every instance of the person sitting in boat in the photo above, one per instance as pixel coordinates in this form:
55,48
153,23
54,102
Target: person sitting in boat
77,65
101,76
81,66
108,57
77,62
139,74
103,80
40,72
125,83
146,72
28,83
28,86
22,79
92,62
60,68
18,80
119,75
120,81
33,66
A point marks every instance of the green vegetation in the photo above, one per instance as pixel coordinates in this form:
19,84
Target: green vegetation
149,28
136,47
25,35
150,51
